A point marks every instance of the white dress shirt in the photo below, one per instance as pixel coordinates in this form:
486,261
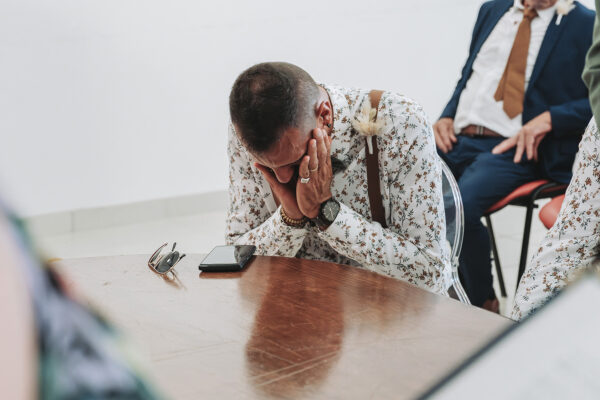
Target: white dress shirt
477,105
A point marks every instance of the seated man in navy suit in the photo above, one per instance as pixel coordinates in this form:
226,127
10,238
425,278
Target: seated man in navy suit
517,114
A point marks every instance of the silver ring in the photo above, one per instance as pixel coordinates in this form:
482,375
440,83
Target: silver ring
304,180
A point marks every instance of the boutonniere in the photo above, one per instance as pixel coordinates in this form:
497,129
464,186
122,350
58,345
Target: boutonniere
367,124
563,7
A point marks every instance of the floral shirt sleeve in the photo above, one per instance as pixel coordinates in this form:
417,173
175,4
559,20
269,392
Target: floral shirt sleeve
573,243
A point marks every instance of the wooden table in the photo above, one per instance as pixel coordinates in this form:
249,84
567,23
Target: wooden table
283,328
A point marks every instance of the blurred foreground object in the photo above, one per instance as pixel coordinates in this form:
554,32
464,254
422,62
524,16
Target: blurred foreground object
74,353
555,350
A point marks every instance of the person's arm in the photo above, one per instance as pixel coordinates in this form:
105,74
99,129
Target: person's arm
248,218
570,117
413,246
572,243
18,364
450,109
444,127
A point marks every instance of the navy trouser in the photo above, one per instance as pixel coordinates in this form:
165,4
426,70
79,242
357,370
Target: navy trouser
483,179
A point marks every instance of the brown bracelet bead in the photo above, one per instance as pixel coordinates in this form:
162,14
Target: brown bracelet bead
295,223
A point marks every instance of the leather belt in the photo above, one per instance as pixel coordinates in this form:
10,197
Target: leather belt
478,130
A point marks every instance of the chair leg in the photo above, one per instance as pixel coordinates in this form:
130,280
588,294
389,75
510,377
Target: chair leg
525,245
488,222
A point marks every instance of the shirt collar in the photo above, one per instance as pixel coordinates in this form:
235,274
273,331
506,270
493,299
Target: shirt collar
546,15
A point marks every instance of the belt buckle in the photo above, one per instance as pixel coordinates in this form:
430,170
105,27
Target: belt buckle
480,130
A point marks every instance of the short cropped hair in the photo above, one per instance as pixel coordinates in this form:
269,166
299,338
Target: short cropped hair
268,98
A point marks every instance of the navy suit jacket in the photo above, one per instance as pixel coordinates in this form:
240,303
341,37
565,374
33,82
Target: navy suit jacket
555,84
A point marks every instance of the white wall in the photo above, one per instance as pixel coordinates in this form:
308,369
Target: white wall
105,102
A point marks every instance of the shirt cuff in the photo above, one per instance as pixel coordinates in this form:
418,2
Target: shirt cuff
280,227
341,227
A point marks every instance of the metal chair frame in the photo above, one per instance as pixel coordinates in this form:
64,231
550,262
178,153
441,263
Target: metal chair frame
544,191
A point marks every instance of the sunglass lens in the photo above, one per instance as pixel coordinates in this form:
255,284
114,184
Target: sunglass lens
167,262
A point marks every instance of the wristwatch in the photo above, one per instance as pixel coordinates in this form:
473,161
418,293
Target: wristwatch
327,214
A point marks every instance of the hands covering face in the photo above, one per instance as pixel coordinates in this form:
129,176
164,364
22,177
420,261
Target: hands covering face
305,199
317,167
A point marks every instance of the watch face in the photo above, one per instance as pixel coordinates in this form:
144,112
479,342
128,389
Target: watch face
330,210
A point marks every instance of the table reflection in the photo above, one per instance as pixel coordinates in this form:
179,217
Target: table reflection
298,330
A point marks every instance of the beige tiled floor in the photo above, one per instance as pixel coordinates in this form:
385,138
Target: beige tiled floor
200,233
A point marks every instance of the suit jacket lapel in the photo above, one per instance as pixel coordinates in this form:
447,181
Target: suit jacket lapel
494,17
552,34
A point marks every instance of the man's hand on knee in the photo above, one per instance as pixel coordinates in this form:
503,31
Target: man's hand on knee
444,134
528,139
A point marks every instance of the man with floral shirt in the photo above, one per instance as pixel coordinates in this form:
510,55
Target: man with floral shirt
298,180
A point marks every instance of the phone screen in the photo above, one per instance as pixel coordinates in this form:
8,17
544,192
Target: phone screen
228,256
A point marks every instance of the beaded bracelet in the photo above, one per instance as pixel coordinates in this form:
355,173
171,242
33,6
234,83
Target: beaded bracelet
295,223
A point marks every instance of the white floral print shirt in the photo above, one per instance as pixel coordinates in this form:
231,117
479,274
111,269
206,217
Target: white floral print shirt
413,247
573,243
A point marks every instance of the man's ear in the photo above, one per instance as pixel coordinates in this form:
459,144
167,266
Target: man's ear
324,113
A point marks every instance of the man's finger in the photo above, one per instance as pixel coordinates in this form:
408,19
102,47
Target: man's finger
312,153
447,131
303,168
440,144
445,137
505,145
530,145
453,137
520,148
321,146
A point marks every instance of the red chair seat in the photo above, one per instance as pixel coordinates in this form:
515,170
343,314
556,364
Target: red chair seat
549,212
521,191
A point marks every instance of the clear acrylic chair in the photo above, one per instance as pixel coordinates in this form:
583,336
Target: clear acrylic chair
455,221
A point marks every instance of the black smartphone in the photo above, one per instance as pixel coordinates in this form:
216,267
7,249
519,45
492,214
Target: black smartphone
227,258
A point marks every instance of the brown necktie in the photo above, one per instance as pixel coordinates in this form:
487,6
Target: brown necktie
511,88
